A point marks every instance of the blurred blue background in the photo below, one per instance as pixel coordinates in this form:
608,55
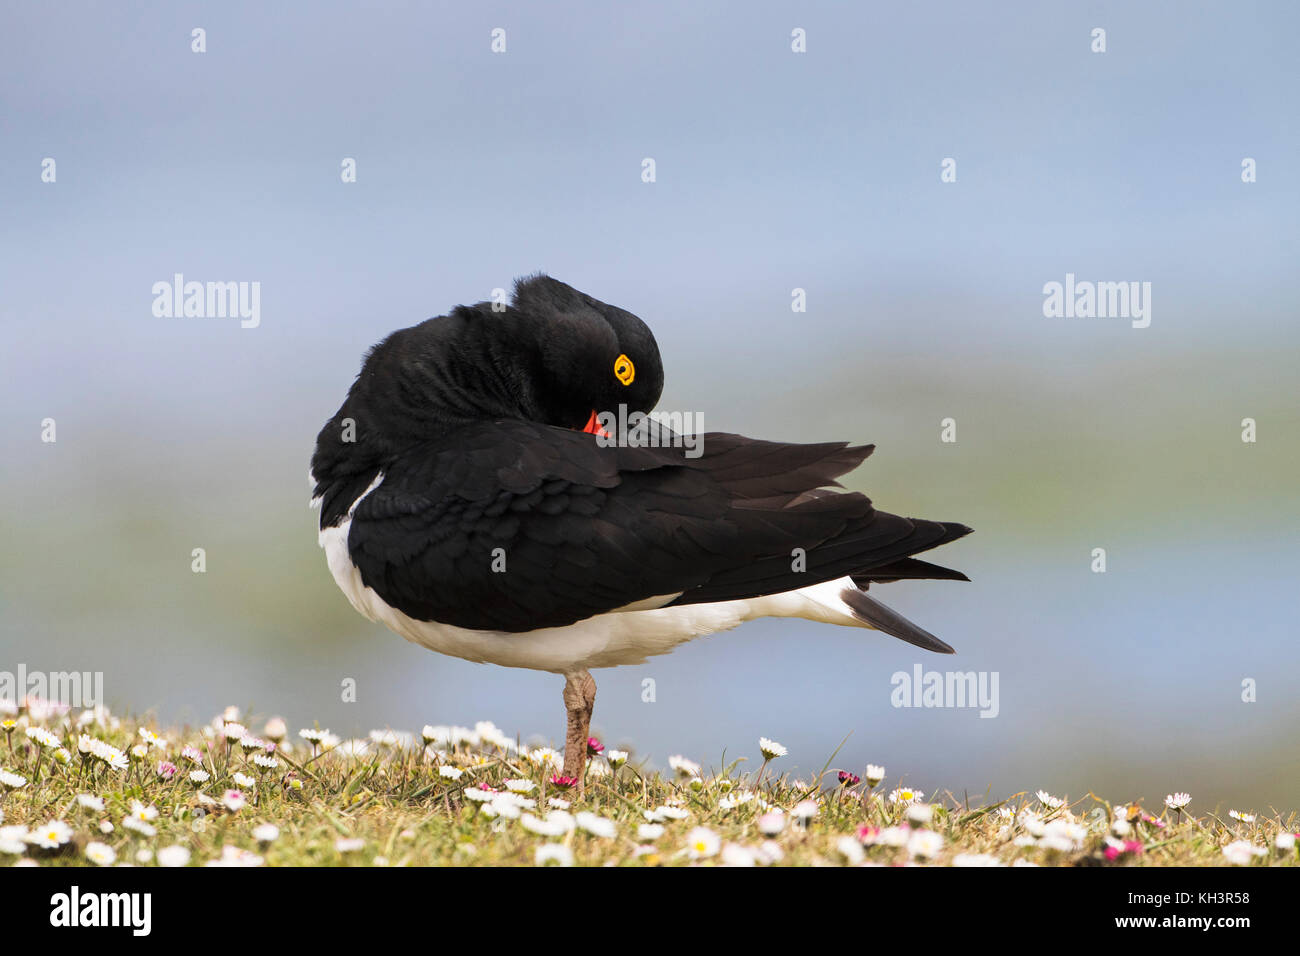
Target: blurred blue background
775,170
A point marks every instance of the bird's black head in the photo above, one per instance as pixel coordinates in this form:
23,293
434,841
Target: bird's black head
594,356
554,355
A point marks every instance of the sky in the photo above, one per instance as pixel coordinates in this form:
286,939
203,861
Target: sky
774,170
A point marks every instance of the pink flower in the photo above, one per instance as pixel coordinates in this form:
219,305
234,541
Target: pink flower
849,779
563,782
192,755
868,834
233,800
1112,852
166,769
594,746
1133,846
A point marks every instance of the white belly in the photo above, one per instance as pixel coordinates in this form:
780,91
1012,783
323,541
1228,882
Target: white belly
626,636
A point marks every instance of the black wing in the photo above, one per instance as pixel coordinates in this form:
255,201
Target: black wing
515,526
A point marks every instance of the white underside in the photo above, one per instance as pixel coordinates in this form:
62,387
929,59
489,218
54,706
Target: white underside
625,636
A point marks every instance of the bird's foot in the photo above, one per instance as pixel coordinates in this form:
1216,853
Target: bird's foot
579,701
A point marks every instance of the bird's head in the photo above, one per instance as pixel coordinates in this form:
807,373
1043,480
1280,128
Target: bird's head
554,355
593,356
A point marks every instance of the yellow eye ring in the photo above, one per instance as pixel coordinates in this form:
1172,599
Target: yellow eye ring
624,370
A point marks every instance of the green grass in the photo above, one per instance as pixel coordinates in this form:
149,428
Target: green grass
388,802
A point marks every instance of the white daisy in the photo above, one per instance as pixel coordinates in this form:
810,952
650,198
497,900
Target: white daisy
849,848
50,836
350,845
1241,852
650,832
906,795
1177,801
873,774
687,768
1049,801
100,854
265,761
556,853
90,802
770,749
771,823
702,843
595,825
520,786
171,856
616,758
266,833
139,826
450,773
924,843
12,781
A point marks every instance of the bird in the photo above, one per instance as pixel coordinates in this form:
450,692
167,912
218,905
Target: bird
482,494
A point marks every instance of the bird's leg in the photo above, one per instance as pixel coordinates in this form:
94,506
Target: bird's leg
579,701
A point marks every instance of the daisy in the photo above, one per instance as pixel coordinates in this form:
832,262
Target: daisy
874,774
13,840
100,853
266,833
140,752
733,854
563,782
666,813
139,826
1285,842
248,744
313,736
556,803
350,845
702,843
1049,801
1241,852
686,768
233,800
906,795
199,776
243,780
1243,817
595,825
804,811
616,758
849,779
556,853
545,755
771,823
150,738
234,732
265,761
90,802
924,843
166,770
975,859
234,856
479,794
192,754
768,853
171,856
770,749
450,773
649,832
1177,801
50,836
12,781
42,737
520,786
851,849
490,734
141,812
920,813
276,729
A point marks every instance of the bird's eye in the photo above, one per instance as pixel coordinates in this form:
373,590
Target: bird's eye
624,370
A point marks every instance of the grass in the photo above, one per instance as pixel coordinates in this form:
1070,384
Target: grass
87,790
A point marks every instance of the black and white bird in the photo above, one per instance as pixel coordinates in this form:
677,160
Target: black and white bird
471,502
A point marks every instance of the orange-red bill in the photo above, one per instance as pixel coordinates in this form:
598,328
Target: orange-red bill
593,426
